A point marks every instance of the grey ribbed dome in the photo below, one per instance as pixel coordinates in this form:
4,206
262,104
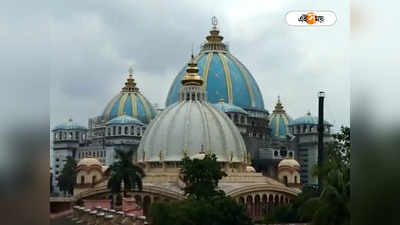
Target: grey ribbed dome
185,127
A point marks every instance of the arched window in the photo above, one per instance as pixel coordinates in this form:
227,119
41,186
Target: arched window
132,130
235,118
93,179
82,179
276,153
295,179
126,130
113,130
285,180
291,154
119,130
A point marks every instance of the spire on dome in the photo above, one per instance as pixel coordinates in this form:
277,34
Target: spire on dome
130,84
214,40
192,77
279,106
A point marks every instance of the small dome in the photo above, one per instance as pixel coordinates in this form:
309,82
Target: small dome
289,163
130,102
279,121
200,156
308,119
250,169
124,119
225,107
69,125
89,162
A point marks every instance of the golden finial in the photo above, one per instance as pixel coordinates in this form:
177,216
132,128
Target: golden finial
214,22
130,84
192,77
278,106
214,40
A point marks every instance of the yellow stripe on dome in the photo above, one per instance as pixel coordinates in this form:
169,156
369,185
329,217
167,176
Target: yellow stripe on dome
244,74
134,106
110,106
122,104
277,124
285,120
146,107
228,77
206,67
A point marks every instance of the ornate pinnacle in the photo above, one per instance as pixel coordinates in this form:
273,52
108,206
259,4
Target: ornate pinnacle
192,77
278,106
214,22
130,84
214,40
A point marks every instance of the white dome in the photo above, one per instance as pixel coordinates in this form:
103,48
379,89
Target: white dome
89,162
288,163
188,127
250,169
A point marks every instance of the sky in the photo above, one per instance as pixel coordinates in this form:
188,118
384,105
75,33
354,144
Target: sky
93,43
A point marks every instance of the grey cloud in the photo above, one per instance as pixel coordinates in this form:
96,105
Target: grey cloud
93,43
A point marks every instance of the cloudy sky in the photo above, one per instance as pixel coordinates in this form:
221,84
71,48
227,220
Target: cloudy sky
94,42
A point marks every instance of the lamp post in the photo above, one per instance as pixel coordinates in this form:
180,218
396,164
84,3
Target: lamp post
321,96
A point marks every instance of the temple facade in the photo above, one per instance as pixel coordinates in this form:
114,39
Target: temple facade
214,105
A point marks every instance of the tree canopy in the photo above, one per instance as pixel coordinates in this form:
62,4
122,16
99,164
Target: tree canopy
124,171
202,176
206,205
331,205
67,178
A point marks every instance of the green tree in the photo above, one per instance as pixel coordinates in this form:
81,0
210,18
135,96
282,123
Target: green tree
206,205
67,178
332,206
202,176
124,171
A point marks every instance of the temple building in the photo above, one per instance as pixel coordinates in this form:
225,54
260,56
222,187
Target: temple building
213,105
199,127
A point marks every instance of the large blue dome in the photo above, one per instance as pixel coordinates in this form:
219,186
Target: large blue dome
130,102
224,77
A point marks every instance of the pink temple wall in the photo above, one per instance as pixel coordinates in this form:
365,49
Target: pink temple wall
104,203
129,206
